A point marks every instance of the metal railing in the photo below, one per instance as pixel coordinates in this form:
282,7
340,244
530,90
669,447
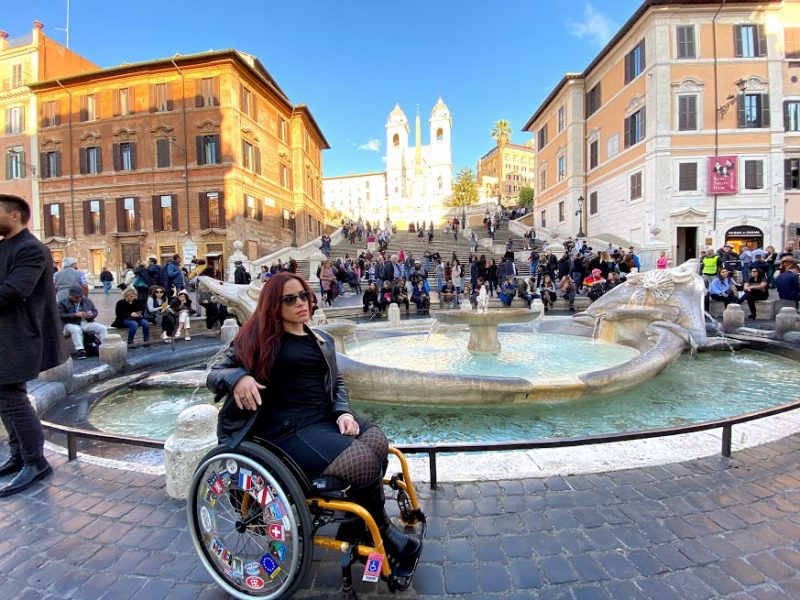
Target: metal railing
433,450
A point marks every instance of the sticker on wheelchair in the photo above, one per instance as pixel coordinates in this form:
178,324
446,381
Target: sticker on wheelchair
254,582
245,479
215,483
231,466
372,570
262,496
238,568
276,510
209,497
208,520
270,566
276,532
278,551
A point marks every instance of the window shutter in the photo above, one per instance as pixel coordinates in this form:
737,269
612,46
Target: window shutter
133,156
22,119
58,112
643,120
174,212
58,165
43,166
257,159
152,97
8,166
241,97
218,147
43,121
764,110
62,225
759,174
158,224
201,156
259,209
48,222
740,110
102,217
87,217
116,156
203,210
84,111
245,162
8,120
83,161
99,159
117,104
254,107
628,61
23,167
138,214
131,100
643,56
162,153
785,116
170,103
216,91
627,141
762,41
222,222
122,226
198,93
737,41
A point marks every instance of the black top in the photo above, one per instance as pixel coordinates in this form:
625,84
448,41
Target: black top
124,309
296,393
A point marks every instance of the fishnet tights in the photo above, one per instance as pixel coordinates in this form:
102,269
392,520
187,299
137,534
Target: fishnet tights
364,461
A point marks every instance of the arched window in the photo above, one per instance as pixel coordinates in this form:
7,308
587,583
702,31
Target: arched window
396,139
439,134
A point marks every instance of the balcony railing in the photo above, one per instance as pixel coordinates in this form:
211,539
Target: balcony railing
14,82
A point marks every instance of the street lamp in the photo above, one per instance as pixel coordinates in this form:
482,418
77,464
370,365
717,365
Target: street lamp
293,223
579,214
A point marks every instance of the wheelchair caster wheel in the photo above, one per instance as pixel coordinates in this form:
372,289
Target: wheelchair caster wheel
249,523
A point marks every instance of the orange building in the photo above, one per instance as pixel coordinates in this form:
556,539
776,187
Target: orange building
512,166
24,61
183,155
673,137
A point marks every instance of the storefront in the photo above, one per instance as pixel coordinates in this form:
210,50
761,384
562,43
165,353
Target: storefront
744,236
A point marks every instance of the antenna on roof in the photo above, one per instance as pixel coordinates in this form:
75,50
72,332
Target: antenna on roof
65,29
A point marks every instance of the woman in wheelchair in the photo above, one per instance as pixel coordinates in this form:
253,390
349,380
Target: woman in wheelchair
281,384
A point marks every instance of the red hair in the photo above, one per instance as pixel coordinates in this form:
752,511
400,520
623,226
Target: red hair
259,340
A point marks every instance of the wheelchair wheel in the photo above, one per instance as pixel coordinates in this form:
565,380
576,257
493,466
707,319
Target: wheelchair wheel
249,523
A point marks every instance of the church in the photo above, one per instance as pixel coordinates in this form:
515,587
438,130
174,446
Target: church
415,184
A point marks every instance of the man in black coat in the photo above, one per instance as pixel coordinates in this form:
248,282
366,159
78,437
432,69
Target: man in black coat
31,340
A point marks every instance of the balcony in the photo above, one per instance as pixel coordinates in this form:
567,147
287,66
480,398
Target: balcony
14,82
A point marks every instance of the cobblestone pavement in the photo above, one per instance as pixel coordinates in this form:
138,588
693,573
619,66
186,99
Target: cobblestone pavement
710,528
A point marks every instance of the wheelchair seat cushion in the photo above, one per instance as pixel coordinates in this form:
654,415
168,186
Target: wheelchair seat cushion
328,486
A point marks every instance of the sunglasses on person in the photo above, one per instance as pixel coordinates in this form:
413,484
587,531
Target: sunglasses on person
291,299
159,291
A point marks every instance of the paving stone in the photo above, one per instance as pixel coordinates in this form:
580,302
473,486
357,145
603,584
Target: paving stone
625,589
457,550
557,569
525,574
493,577
588,569
593,592
742,571
460,579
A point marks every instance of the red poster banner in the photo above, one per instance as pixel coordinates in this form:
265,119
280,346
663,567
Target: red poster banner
722,177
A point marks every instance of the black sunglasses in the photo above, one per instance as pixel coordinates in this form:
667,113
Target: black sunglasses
291,299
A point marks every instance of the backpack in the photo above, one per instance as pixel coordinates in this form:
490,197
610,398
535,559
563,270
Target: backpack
91,343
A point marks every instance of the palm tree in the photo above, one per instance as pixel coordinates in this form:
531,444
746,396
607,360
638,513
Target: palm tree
501,132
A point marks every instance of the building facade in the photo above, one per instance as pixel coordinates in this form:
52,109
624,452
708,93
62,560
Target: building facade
509,167
417,181
678,135
183,155
24,61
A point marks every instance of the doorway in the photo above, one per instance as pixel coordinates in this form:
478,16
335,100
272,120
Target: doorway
744,238
686,244
97,259
131,255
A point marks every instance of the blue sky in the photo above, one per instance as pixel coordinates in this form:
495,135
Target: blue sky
351,61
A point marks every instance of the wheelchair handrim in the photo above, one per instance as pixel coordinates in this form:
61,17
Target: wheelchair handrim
240,590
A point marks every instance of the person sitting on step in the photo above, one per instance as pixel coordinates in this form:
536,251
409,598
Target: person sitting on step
182,306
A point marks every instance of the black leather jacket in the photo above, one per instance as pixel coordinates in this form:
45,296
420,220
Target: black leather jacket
234,423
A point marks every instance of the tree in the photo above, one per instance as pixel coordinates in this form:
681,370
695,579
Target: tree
501,132
465,189
526,197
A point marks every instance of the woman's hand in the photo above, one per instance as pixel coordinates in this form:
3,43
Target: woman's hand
247,393
347,425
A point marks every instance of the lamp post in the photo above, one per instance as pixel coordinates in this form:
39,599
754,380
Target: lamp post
579,214
294,228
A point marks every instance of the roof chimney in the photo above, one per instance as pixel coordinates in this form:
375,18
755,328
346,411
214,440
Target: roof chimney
3,40
38,33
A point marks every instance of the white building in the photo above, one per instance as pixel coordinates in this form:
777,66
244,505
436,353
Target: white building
416,181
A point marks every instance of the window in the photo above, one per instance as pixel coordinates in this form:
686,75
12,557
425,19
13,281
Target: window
439,135
206,92
685,41
560,119
636,186
562,167
687,177
561,212
791,115
161,97
593,100
15,163
51,115
165,212
16,75
543,218
212,210
593,203
283,137
791,42
542,137
124,156
634,62
248,102
89,108
687,113
749,41
754,174
791,173
247,155
54,220
128,215
123,102
50,164
90,160
594,154
284,175
635,128
163,158
753,110
15,119
93,217
208,150
252,208
543,178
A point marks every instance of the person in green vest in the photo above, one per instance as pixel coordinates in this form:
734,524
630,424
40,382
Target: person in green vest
709,265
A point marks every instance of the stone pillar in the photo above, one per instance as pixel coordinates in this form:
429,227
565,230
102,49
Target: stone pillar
228,331
394,314
237,255
786,321
195,434
62,374
732,318
319,318
114,352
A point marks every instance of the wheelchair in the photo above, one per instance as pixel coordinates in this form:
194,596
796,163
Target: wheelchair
253,518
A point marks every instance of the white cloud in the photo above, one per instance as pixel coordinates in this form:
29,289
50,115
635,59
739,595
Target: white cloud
595,26
373,145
